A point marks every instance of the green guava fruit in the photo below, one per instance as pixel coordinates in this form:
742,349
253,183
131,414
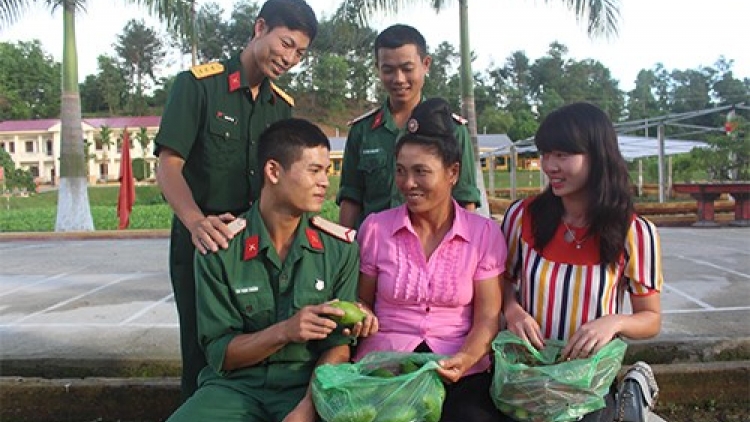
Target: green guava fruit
352,313
365,413
397,414
408,366
381,373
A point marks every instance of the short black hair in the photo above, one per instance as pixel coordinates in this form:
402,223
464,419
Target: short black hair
399,35
296,15
284,141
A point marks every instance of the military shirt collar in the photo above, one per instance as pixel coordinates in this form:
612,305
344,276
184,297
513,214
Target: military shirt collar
460,227
237,79
385,118
257,234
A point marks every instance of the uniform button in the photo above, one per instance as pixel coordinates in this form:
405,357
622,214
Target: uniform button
283,277
251,172
226,135
249,308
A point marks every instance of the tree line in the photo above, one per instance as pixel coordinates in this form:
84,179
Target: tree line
337,78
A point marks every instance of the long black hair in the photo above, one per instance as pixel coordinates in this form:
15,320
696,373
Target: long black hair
583,128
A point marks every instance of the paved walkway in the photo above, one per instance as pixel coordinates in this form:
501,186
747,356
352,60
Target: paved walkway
109,297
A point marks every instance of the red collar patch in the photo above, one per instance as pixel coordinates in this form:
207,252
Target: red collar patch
314,239
251,248
378,120
234,81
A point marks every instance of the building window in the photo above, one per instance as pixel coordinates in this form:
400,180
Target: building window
11,147
98,144
49,147
34,170
2,147
29,146
103,171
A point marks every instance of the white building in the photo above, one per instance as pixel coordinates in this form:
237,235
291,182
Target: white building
34,145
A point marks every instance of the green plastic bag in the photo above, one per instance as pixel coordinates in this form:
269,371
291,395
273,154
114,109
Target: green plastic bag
533,385
382,387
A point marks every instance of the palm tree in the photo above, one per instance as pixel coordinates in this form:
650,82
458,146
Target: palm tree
144,140
602,19
73,210
105,139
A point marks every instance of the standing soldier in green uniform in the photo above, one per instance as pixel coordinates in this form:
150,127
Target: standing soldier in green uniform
207,146
263,303
367,176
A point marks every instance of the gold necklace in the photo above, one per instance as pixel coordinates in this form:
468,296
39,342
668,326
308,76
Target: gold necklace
570,236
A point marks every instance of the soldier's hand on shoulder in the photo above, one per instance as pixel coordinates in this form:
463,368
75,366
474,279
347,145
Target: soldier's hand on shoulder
213,232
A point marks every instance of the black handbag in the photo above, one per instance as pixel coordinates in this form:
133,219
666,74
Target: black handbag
636,395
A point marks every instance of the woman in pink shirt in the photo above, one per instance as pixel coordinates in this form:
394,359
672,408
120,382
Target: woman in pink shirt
430,270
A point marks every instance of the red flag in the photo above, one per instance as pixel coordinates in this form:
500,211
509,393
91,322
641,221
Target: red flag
126,198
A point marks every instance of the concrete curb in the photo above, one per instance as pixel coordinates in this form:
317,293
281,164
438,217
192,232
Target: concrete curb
656,352
154,399
92,235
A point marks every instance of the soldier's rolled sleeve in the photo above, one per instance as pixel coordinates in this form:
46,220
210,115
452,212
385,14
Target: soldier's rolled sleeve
351,185
182,117
466,190
219,321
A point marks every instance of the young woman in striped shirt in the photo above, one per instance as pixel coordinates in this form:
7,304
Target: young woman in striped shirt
575,249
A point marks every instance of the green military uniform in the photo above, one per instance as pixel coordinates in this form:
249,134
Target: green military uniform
246,288
213,123
369,165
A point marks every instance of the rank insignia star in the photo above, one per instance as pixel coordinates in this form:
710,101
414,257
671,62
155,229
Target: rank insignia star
234,81
251,248
314,239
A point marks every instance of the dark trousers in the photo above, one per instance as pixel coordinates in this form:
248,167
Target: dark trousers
607,414
181,256
468,400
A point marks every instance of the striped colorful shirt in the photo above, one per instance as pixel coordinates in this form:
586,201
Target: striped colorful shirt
565,286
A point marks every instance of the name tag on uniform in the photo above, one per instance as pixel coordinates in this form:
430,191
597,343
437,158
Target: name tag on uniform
371,151
243,290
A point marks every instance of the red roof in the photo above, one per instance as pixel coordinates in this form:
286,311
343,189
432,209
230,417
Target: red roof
27,125
112,122
125,122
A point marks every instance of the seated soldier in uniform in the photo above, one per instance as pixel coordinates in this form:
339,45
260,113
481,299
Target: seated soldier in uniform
263,303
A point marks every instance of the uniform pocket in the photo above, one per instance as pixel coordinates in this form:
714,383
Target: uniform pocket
223,144
372,163
220,128
256,306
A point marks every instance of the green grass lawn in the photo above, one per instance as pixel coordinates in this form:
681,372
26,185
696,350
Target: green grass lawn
37,213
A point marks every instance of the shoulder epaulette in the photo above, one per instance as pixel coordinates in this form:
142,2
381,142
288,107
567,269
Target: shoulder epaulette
237,225
205,70
362,117
459,119
336,230
286,97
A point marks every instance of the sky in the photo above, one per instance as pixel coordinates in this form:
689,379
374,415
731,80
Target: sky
678,34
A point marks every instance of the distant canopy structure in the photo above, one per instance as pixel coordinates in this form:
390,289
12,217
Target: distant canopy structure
634,147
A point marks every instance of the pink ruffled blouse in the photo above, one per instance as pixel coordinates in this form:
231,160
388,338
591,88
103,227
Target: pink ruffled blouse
431,300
